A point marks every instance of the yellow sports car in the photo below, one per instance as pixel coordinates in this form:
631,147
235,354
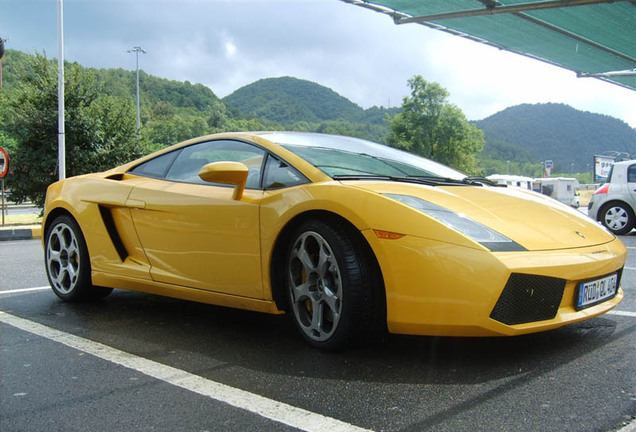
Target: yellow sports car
347,236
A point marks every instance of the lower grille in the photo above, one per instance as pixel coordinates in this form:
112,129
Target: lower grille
527,298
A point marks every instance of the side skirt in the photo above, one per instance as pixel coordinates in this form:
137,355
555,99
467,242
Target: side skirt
185,293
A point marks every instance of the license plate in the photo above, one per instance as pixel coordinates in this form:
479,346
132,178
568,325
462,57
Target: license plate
596,291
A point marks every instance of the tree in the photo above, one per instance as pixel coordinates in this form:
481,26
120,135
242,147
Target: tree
100,130
434,128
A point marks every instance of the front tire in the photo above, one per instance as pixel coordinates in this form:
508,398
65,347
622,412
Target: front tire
328,285
618,218
68,266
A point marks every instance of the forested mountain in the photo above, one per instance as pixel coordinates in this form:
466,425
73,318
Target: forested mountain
555,132
284,100
171,111
121,83
154,90
290,100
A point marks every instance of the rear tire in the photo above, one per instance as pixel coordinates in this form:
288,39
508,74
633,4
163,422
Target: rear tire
618,218
330,286
68,266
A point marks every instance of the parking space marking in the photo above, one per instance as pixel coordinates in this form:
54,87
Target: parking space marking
21,290
622,313
260,405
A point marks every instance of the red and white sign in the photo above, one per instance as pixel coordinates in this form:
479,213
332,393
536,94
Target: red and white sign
4,162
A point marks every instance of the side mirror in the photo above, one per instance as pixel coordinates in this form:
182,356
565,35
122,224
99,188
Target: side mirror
234,173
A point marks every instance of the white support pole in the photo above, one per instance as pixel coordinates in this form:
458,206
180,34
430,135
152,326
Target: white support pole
138,115
137,50
61,141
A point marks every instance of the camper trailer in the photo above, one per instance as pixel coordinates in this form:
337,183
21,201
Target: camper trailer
512,180
563,189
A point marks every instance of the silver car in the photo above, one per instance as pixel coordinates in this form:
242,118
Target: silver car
614,203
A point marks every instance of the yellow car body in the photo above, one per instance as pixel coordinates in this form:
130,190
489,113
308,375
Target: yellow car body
208,243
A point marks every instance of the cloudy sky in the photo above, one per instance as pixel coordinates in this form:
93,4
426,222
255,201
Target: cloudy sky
359,53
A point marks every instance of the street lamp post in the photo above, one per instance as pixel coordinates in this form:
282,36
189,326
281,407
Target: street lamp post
1,55
137,50
61,119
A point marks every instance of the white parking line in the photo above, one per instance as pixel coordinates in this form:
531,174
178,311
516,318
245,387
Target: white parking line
622,313
21,290
267,408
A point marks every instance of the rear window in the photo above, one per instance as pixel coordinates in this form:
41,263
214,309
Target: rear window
631,174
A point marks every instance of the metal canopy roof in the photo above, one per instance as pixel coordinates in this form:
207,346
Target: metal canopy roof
594,38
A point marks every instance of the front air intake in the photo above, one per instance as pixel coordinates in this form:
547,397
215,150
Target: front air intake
527,298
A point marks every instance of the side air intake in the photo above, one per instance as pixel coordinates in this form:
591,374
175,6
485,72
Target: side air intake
109,223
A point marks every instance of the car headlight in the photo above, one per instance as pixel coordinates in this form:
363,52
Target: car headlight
474,230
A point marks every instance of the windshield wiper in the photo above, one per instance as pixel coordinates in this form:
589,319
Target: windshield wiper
427,180
437,180
478,180
430,181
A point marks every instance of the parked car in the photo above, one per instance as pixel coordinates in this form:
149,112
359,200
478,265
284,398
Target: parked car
349,237
614,203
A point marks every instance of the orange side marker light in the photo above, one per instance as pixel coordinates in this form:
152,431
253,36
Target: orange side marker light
387,235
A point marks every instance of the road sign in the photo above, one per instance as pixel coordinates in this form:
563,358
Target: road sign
4,162
548,168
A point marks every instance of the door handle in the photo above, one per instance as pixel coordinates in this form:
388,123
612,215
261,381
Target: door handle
137,204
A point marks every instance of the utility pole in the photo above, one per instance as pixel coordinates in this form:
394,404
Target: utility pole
2,41
61,136
138,50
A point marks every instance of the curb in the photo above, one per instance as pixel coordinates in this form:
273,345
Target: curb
24,233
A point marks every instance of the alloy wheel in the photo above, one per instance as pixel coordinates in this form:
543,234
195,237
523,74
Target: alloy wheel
63,258
316,286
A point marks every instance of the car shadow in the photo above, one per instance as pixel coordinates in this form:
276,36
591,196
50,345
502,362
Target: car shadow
207,340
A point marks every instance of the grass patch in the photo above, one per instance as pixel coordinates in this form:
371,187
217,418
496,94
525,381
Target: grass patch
22,219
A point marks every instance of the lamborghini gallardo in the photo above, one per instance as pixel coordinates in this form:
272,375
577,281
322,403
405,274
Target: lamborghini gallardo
348,237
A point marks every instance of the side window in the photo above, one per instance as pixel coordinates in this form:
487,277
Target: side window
279,175
631,174
187,165
156,167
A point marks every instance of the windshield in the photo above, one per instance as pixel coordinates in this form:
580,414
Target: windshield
345,156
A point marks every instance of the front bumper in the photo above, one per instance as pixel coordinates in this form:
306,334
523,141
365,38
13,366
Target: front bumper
592,209
435,288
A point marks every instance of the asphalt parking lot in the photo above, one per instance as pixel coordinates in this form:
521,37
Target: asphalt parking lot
139,362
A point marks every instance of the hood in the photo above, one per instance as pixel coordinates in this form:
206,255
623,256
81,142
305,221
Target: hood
534,221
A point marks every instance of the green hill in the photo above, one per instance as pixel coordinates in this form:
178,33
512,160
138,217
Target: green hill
153,90
288,100
121,83
556,132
